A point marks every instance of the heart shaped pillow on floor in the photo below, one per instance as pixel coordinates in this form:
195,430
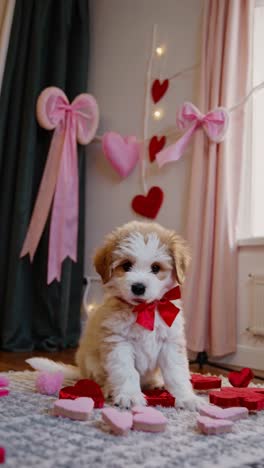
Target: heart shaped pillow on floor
241,378
84,388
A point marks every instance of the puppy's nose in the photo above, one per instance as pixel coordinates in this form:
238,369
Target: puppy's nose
138,289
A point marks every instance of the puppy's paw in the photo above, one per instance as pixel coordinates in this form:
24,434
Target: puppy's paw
128,400
191,402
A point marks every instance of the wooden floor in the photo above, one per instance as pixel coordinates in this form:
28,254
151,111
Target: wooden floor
16,362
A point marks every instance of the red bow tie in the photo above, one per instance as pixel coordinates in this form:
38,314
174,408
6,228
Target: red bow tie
167,310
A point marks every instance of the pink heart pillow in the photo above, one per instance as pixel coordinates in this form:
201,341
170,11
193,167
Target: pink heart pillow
122,153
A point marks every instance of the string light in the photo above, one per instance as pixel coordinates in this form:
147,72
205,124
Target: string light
158,114
160,50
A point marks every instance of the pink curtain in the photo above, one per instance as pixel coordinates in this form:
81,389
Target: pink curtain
211,288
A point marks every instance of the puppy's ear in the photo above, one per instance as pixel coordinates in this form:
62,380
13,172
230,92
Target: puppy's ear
102,262
181,255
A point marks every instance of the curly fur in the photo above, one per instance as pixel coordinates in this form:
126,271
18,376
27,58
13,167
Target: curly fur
116,352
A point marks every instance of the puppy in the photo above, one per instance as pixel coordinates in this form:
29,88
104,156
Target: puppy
127,344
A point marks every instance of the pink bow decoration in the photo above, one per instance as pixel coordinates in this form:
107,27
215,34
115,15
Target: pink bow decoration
189,118
75,122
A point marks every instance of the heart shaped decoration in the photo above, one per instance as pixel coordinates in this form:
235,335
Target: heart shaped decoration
2,455
232,414
149,421
150,204
4,381
4,391
79,409
144,410
159,397
251,398
158,89
203,382
156,145
122,153
213,426
49,383
84,388
241,378
119,422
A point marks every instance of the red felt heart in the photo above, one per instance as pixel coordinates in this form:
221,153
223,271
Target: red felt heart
241,378
155,146
250,398
150,204
84,388
203,382
159,397
159,89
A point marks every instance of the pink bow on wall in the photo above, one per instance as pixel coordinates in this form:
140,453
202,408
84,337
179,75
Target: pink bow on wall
75,122
214,124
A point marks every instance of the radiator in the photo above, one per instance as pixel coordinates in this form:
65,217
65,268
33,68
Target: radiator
256,313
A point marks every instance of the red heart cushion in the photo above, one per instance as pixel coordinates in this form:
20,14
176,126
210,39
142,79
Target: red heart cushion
155,146
158,89
203,382
150,204
251,398
241,378
159,397
84,388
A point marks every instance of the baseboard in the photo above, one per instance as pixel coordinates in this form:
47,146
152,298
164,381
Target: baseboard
246,356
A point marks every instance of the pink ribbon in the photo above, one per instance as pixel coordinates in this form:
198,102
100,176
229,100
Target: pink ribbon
189,118
75,122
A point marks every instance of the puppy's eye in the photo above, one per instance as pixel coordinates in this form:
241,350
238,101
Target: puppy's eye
126,266
155,268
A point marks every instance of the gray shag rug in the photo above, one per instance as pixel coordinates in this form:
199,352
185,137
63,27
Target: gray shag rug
34,438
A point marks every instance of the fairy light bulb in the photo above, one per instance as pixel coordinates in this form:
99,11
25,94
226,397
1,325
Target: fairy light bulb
158,114
160,51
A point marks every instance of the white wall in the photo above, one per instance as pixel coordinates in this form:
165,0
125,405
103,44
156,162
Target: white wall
250,349
120,44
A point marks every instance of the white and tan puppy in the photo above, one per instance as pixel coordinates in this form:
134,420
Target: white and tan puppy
138,263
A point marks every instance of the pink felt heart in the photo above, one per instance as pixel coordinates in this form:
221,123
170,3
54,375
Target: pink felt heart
79,409
120,423
145,410
213,426
150,420
4,381
122,153
232,414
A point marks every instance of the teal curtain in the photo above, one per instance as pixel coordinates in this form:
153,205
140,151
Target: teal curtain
48,47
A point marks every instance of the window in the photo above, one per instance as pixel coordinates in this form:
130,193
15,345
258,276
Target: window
251,213
257,139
